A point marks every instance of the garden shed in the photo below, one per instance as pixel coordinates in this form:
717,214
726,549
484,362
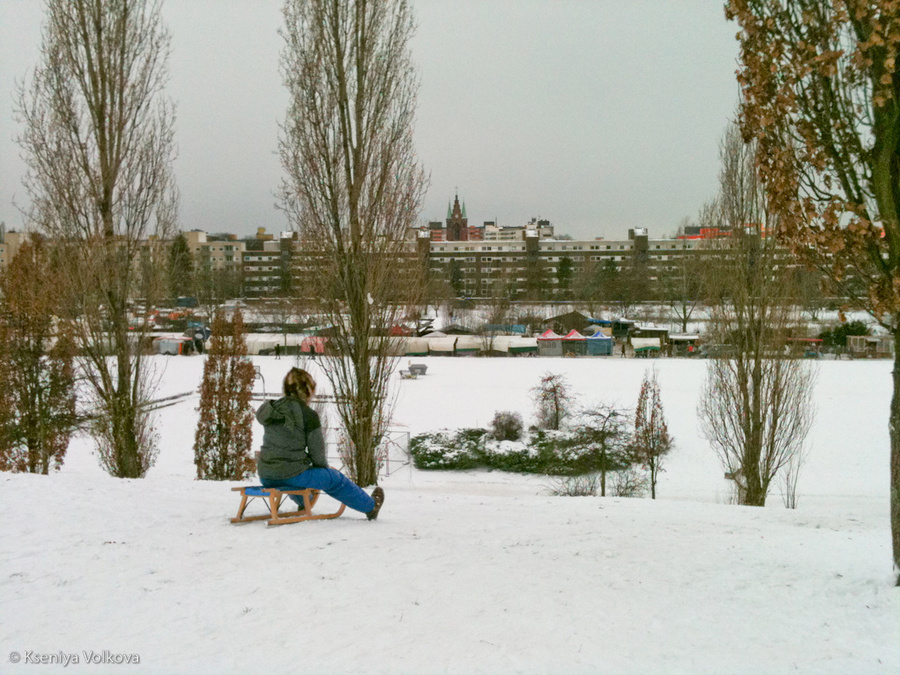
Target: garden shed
870,345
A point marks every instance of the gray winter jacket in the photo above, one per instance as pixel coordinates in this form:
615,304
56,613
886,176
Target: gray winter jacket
292,442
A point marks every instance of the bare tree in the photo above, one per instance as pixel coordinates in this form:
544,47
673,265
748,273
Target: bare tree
353,190
553,401
498,308
98,143
756,406
604,431
214,286
821,93
680,281
651,439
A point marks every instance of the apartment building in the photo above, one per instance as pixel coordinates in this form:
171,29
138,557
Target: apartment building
218,251
269,264
474,267
10,241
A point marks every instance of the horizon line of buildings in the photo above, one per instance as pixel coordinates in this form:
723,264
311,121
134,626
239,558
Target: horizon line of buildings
470,258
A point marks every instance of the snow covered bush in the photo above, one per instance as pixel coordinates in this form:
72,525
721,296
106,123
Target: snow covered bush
448,450
512,456
506,426
593,444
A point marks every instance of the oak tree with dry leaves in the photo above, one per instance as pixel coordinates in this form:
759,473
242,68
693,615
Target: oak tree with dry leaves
821,96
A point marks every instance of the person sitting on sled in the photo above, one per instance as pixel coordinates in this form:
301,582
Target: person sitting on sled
293,449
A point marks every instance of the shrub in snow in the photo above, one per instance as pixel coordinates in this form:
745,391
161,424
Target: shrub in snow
629,482
506,426
224,437
577,451
575,486
512,456
446,449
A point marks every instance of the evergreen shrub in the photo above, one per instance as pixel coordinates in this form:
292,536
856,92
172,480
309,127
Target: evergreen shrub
506,426
541,451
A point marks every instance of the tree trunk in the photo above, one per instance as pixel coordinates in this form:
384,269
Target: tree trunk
895,456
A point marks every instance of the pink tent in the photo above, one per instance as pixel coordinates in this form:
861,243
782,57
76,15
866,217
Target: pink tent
313,344
549,344
574,343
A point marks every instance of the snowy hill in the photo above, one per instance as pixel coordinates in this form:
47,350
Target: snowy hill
467,572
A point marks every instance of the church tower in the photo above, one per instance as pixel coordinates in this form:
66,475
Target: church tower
457,222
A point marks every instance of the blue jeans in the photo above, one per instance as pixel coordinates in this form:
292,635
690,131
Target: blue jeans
330,481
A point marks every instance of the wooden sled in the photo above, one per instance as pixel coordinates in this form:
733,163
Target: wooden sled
274,498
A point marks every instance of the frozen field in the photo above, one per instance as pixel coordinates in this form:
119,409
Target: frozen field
467,572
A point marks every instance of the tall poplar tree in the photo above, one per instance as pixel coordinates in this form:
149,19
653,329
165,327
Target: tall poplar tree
353,190
821,95
98,142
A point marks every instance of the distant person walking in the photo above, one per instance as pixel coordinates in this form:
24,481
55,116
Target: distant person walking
277,351
293,449
198,340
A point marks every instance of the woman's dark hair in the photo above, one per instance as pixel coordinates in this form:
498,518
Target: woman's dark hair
299,384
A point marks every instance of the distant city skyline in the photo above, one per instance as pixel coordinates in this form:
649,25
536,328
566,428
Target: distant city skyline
597,116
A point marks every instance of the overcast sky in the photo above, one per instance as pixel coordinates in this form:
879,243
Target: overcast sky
598,115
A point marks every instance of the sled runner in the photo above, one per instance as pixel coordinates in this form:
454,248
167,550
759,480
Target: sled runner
274,497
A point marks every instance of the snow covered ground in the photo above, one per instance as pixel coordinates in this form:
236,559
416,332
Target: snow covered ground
466,572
